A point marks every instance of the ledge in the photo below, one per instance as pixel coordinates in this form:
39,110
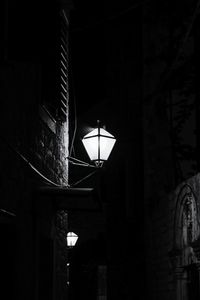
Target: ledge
77,199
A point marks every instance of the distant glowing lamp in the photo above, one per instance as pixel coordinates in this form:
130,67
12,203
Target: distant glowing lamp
71,239
98,144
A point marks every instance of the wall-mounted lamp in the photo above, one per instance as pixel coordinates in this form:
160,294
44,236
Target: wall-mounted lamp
71,239
98,144
71,242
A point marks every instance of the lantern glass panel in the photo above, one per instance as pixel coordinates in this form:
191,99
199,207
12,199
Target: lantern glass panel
71,239
98,146
91,146
106,145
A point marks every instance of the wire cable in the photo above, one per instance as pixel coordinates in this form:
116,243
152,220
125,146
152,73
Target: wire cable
38,172
44,177
29,164
7,212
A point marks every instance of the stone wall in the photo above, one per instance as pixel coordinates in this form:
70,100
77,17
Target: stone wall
170,131
165,258
34,147
27,126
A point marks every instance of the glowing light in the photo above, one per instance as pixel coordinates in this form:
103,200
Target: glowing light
98,144
71,239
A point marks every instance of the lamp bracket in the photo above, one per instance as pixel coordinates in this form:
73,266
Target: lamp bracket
81,163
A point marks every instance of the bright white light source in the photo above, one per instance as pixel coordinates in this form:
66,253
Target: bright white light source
98,144
71,239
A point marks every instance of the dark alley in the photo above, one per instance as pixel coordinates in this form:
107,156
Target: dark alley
100,143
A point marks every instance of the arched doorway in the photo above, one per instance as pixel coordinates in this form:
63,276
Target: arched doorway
186,245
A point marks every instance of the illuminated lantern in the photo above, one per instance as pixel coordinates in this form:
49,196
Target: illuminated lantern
71,239
98,144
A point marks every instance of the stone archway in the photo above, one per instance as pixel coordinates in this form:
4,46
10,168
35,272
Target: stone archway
186,244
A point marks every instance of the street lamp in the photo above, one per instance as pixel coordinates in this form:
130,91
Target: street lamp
98,144
71,239
71,242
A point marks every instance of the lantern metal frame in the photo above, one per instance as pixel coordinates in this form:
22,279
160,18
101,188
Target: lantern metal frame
98,163
99,135
70,236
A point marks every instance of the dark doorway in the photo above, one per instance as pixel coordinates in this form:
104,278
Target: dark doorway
8,259
193,282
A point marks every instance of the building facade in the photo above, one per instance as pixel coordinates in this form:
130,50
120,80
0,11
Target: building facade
34,144
171,139
136,236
